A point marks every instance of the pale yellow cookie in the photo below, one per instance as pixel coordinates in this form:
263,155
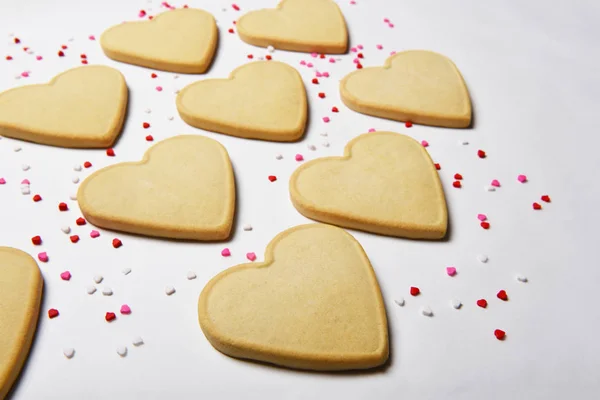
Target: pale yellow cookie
182,189
260,100
297,25
182,40
20,296
82,107
385,183
418,86
314,303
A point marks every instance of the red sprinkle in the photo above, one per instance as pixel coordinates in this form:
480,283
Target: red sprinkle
142,14
334,109
84,61
146,125
360,55
408,124
458,177
457,184
61,53
230,30
437,166
110,316
537,206
268,57
359,66
546,198
8,58
272,178
36,240
250,56
87,164
116,243
414,291
110,152
235,7
485,225
17,40
315,81
482,303
502,295
37,198
153,75
80,221
481,153
63,206
149,138
322,95
53,313
83,56
63,47
74,238
500,334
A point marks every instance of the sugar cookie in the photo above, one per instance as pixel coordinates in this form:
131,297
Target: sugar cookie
20,296
418,86
385,183
314,303
182,40
182,189
297,25
81,107
260,100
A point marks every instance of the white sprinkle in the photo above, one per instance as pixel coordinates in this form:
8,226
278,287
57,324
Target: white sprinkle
25,167
90,289
270,49
247,227
323,134
126,271
138,341
69,352
400,301
122,351
463,142
482,258
279,156
17,76
24,185
73,196
223,9
65,229
169,290
75,179
312,147
107,291
25,190
29,51
171,118
456,303
426,311
176,76
77,167
147,111
17,149
325,144
490,188
191,275
521,278
261,58
98,278
71,39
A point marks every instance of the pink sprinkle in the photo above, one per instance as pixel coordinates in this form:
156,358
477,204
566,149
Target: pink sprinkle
94,234
125,309
299,157
360,46
225,252
354,49
326,74
38,58
392,53
495,183
332,60
386,20
159,88
522,178
355,61
451,271
235,7
313,55
352,2
92,37
424,143
2,181
481,217
65,276
43,257
251,256
391,25
379,47
319,74
142,14
25,182
25,74
371,130
326,119
302,62
309,65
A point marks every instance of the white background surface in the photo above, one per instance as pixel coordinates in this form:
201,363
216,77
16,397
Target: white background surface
532,70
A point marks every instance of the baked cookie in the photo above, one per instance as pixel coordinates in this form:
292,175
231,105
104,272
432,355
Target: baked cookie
418,86
314,303
82,107
182,189
20,296
182,40
385,183
260,100
297,25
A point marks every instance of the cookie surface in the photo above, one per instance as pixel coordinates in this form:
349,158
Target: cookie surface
385,183
260,100
297,25
182,189
82,107
20,296
182,40
418,86
314,303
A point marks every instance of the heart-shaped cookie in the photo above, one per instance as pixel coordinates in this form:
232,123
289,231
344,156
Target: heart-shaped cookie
314,303
182,189
417,86
260,100
298,25
182,40
82,107
385,183
20,296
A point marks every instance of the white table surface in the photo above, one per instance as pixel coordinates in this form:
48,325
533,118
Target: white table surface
532,69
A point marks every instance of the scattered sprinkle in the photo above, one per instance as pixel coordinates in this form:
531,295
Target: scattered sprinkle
137,341
169,290
500,334
481,154
482,258
53,313
455,303
75,179
272,178
37,198
451,271
537,206
36,240
125,309
98,278
110,316
485,225
247,227
495,183
43,257
400,301
502,295
312,147
94,234
69,352
458,177
545,198
65,276
80,221
87,164
251,256
481,217
326,119
25,167
408,124
225,252
414,291
299,157
77,167
90,289
521,278
457,184
74,239
427,311
424,143
65,229
106,291
2,181
126,271
159,88
17,148
482,303
116,243
191,275
278,157
26,190
270,49
122,351
522,178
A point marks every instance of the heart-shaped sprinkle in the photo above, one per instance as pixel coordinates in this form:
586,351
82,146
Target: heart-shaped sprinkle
69,352
299,157
482,303
125,309
334,109
117,243
537,206
546,198
414,291
400,301
490,188
52,313
521,278
37,198
137,341
98,278
65,276
458,177
451,271
107,291
110,316
427,311
481,154
191,275
500,334
408,124
522,178
2,181
169,290
481,217
251,256
36,240
485,225
437,166
495,183
122,351
457,184
74,238
456,304
94,234
424,143
90,290
502,295
482,258
272,178
43,257
326,119
225,252
80,221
